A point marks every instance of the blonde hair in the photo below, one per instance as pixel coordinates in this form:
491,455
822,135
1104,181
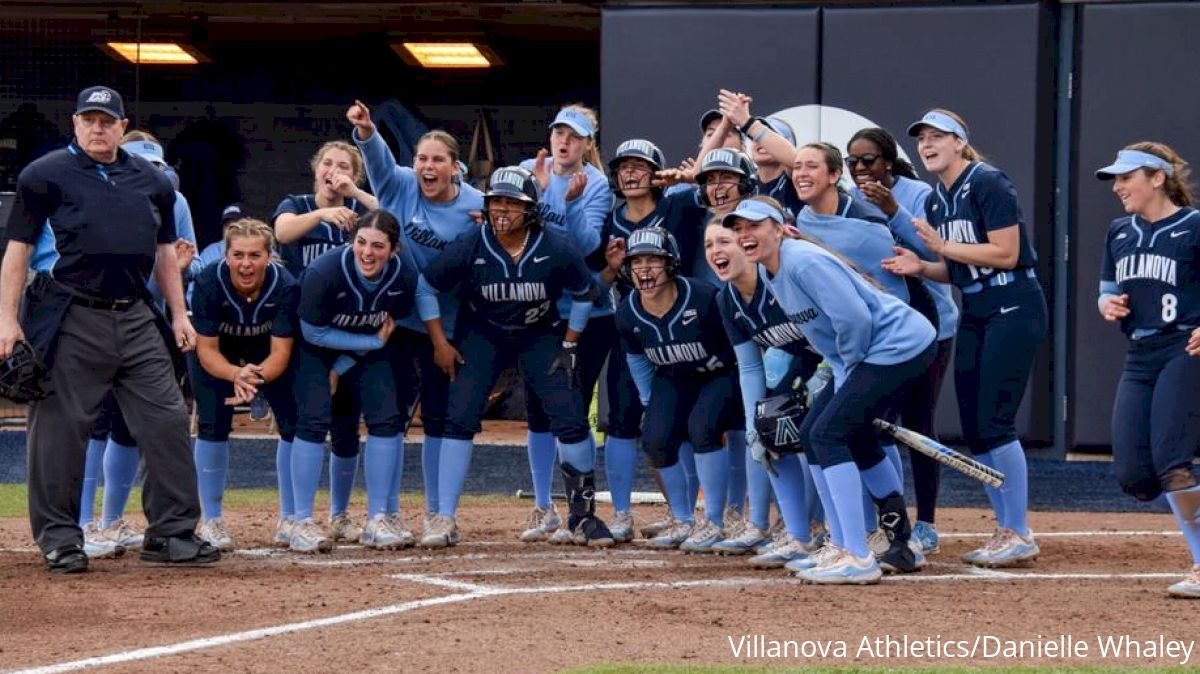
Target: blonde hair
444,138
592,154
356,160
1177,184
969,152
251,229
138,134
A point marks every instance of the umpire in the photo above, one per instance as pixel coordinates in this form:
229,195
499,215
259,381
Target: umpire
88,314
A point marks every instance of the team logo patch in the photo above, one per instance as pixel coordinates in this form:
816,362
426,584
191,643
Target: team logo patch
99,97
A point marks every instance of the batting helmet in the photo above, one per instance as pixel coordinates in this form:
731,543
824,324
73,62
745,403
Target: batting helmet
21,375
517,183
655,241
635,148
731,161
777,421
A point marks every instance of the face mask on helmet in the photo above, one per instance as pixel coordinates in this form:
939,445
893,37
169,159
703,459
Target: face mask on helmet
651,243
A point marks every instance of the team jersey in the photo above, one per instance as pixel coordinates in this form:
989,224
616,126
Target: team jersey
981,200
781,189
244,328
333,293
865,243
1158,266
689,340
508,294
325,236
761,320
678,213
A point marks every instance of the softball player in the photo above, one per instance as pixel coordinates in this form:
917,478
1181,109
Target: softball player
508,275
1150,284
307,226
435,207
350,298
875,345
890,184
975,225
755,322
244,310
682,362
575,201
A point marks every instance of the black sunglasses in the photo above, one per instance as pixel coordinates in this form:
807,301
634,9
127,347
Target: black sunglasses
868,159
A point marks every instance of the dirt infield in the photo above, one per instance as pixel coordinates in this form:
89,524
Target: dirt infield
493,604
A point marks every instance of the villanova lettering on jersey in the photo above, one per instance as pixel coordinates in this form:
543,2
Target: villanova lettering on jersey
420,235
1147,266
805,316
513,292
370,320
311,251
673,354
238,330
779,336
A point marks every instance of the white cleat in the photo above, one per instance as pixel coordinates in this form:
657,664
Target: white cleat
308,538
216,534
543,523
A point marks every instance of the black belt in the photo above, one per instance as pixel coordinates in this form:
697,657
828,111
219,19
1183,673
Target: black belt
121,304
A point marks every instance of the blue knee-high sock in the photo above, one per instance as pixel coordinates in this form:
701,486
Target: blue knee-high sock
737,488
832,522
580,455
430,451
1010,460
687,458
675,484
393,492
882,480
453,463
893,454
845,485
91,477
379,457
283,469
993,493
788,485
1185,503
307,458
758,488
620,465
120,471
870,515
542,450
713,468
212,465
812,501
343,470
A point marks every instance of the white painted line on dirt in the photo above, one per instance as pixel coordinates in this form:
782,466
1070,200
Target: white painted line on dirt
1071,534
1007,576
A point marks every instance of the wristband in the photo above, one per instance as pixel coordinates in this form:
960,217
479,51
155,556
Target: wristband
745,128
569,345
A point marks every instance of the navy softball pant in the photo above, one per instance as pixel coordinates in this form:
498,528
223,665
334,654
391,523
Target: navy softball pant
690,409
1156,415
421,381
216,418
370,386
487,350
596,344
998,337
916,413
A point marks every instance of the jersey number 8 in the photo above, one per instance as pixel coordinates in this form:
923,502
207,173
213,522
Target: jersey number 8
1170,305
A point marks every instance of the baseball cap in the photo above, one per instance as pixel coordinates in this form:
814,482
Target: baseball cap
146,149
708,117
232,212
782,128
1132,160
940,121
100,99
754,211
575,119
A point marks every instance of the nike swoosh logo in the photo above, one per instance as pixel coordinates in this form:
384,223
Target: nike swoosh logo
268,306
1005,310
689,319
393,293
543,258
1175,235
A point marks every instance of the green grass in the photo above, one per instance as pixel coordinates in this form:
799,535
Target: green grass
820,669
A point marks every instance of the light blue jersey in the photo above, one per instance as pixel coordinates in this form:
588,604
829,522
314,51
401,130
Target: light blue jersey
427,226
866,244
844,318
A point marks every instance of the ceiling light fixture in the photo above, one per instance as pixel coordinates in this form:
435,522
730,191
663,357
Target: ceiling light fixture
446,54
156,53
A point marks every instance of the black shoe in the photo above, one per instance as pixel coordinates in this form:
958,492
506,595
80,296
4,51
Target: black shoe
185,549
900,558
67,559
593,532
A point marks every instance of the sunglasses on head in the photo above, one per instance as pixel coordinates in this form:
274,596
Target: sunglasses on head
868,159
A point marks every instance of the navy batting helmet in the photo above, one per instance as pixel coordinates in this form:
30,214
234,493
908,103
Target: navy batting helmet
21,375
655,241
635,148
777,421
517,183
731,161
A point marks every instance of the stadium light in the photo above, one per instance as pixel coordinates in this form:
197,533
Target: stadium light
156,53
446,54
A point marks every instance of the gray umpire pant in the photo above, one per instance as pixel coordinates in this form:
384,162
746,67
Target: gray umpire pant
97,351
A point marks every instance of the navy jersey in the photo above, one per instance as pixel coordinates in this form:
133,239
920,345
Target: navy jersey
981,200
506,293
781,189
324,237
761,320
333,294
244,328
1157,265
678,213
688,340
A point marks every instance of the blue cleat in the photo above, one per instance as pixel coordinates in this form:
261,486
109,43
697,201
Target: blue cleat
927,535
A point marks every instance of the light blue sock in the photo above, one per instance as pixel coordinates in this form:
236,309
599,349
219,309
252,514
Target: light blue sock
393,493
379,456
542,450
735,493
454,462
307,458
283,469
881,480
580,455
1014,493
675,483
620,465
758,483
812,500
788,486
430,452
343,470
832,522
120,471
91,478
870,515
212,465
993,494
713,468
1185,503
893,455
687,457
845,485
